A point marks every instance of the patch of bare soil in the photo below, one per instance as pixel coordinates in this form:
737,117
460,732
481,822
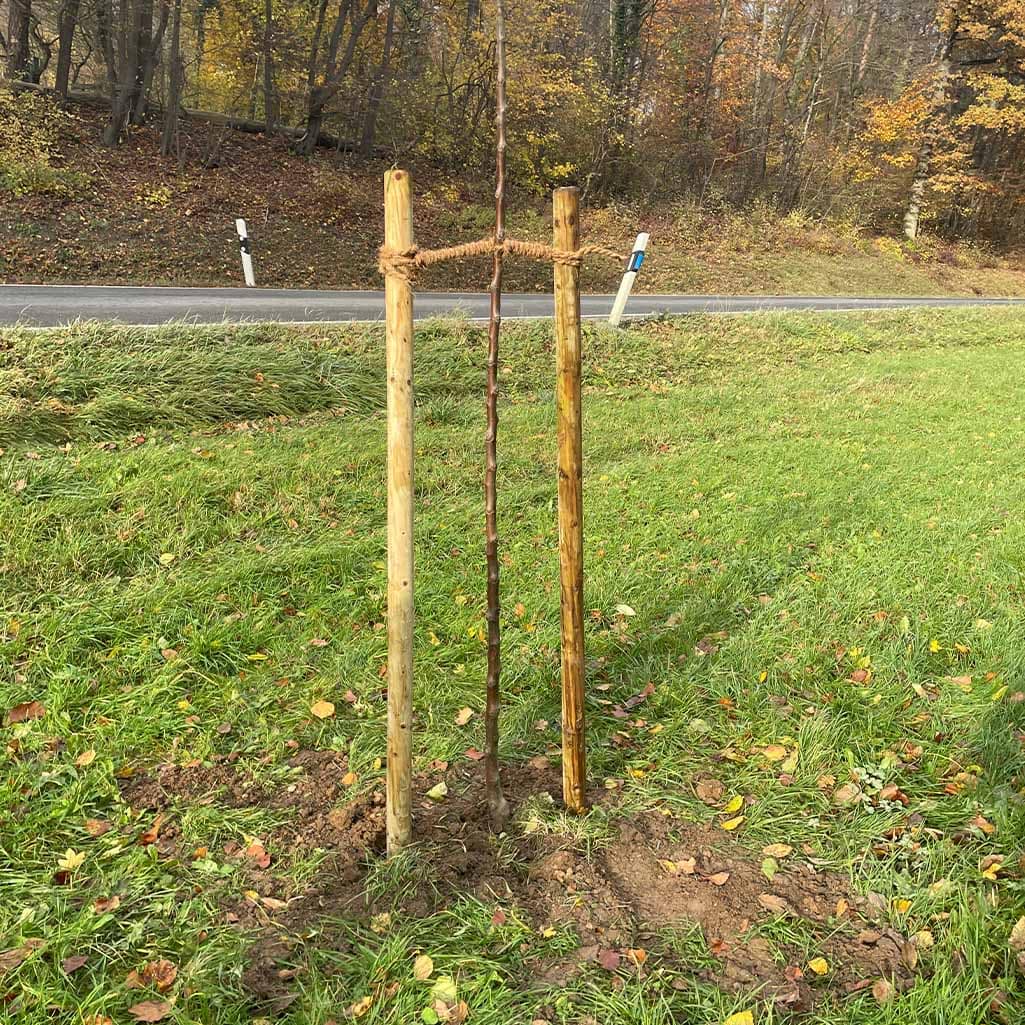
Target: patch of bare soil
654,874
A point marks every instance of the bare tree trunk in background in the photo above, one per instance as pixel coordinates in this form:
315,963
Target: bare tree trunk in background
152,45
866,50
67,22
19,19
270,92
498,807
930,129
129,52
176,84
324,82
366,145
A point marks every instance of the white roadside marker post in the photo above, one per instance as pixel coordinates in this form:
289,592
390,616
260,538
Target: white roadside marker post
636,259
247,253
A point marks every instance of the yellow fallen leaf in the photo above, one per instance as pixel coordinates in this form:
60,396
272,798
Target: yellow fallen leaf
901,905
819,965
322,709
463,716
774,752
71,860
731,824
733,805
349,779
740,1018
85,758
777,850
360,1007
423,968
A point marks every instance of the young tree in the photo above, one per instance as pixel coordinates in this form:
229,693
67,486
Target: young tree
498,807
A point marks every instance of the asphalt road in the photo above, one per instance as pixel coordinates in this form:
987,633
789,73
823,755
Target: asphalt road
51,305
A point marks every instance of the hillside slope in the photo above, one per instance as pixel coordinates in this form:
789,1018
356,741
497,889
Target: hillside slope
129,216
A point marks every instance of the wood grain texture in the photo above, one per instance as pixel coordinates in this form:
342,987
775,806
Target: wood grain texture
398,303
566,210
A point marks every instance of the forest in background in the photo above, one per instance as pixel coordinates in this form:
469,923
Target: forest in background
898,114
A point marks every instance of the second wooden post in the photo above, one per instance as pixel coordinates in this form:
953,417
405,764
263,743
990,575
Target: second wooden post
566,210
398,310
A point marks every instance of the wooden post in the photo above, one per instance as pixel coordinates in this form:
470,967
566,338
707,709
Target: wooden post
398,307
566,208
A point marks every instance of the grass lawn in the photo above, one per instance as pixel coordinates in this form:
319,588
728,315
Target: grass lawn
804,551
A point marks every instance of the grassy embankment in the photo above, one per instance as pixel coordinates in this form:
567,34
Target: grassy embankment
815,521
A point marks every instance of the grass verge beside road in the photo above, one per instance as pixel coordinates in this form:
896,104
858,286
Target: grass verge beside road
803,532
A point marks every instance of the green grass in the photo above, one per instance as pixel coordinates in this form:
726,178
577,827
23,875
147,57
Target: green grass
804,485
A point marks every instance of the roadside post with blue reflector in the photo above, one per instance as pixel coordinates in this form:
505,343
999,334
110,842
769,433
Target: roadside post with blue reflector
632,267
247,252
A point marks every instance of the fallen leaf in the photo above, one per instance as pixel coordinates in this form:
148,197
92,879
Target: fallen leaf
360,1007
473,754
423,968
846,795
609,959
774,752
150,835
380,923
709,790
734,805
770,866
258,855
104,905
25,711
150,1010
882,991
638,955
777,850
160,973
10,959
1017,939
499,917
819,965
322,709
463,716
350,779
438,792
85,758
625,610
97,827
731,824
771,902
71,860
740,1018
445,989
318,642
719,879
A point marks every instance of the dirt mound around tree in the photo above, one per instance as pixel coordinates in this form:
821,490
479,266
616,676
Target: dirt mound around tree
792,938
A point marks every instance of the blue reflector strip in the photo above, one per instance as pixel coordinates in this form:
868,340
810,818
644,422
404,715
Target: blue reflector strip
636,260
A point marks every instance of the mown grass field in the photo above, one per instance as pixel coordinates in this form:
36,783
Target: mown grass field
816,525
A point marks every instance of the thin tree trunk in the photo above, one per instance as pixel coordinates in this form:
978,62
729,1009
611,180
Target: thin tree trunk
151,46
270,93
19,19
176,76
498,807
67,22
930,129
366,147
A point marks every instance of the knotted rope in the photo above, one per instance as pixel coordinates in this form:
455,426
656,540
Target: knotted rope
405,263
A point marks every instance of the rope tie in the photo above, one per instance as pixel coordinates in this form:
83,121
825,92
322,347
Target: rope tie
405,263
